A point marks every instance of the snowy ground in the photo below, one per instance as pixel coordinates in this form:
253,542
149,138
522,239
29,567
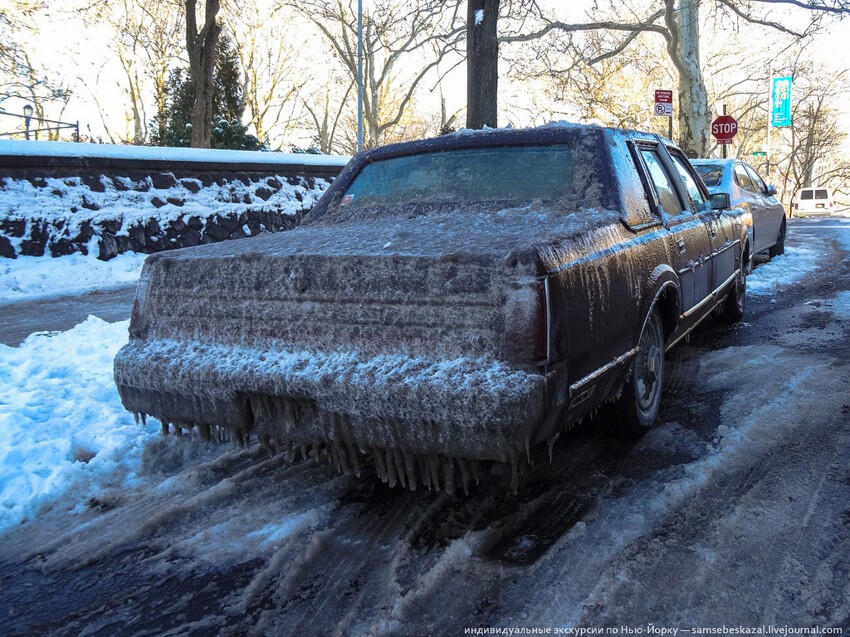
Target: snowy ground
27,278
731,512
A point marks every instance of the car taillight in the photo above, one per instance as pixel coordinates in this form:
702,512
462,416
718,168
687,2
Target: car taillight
541,337
527,322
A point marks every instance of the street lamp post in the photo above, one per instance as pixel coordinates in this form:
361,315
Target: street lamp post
359,75
28,118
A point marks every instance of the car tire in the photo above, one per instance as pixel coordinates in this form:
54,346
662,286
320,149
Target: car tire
779,247
636,410
736,299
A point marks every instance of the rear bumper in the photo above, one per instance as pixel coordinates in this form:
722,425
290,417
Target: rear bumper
473,408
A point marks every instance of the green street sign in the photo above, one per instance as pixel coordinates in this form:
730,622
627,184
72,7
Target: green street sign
780,102
759,153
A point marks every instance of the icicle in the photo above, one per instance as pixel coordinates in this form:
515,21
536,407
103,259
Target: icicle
434,464
205,431
164,427
551,442
400,470
240,439
422,461
449,471
380,464
339,447
354,457
391,473
136,417
473,470
303,449
464,474
410,469
528,451
144,418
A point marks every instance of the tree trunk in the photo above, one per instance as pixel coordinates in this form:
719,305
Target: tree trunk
482,64
693,113
200,45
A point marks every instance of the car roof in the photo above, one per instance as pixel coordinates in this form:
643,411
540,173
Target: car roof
553,133
709,160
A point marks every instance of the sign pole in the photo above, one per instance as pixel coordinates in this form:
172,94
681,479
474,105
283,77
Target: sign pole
769,121
724,145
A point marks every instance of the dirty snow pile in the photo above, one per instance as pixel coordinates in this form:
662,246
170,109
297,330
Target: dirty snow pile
782,271
28,278
63,431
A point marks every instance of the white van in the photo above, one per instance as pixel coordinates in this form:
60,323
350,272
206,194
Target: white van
813,201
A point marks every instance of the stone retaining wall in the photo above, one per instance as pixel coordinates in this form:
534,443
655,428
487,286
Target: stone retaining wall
58,205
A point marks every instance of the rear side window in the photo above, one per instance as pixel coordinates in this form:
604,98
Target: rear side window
743,179
821,194
758,182
664,187
697,199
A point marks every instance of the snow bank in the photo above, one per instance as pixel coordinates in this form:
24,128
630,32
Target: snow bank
63,431
785,270
27,278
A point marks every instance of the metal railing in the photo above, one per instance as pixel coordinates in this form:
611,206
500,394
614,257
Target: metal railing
57,126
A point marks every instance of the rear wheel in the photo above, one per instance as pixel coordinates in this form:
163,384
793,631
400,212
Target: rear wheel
779,247
637,408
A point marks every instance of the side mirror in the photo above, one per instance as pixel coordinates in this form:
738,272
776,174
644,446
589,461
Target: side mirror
720,201
771,190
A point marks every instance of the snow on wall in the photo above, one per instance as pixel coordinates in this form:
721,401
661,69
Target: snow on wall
58,200
156,153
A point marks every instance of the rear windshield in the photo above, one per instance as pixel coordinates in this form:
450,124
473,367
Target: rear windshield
711,173
809,193
510,174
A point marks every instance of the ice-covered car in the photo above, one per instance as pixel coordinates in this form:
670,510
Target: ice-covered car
748,191
447,300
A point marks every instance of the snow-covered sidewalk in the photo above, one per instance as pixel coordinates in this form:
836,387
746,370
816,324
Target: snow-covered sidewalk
28,278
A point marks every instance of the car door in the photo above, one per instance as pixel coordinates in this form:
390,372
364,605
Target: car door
721,232
687,231
773,212
752,201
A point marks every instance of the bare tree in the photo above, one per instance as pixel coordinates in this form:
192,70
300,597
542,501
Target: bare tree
326,115
813,144
678,24
21,75
272,81
146,44
402,43
201,46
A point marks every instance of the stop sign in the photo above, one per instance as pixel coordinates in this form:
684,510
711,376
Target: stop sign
724,128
